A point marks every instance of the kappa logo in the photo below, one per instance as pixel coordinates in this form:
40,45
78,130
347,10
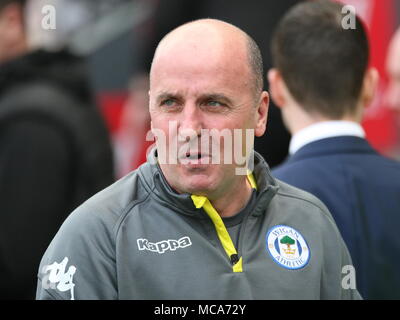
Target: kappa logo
164,245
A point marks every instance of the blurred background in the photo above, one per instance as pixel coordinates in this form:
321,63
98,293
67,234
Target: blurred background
74,104
120,64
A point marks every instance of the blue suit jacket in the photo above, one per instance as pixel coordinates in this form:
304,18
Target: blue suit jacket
362,190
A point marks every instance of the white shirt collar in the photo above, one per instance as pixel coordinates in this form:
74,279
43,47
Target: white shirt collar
322,130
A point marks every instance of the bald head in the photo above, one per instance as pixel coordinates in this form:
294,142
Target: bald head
207,38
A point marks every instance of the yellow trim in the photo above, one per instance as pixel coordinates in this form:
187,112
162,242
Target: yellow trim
198,201
252,180
223,235
222,232
238,267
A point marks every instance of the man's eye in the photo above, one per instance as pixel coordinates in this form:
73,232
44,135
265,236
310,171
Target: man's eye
214,104
168,103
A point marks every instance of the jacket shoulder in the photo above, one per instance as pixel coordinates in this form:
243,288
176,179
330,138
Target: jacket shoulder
90,231
114,201
301,199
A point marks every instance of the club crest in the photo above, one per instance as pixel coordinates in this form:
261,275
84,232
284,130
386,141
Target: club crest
287,247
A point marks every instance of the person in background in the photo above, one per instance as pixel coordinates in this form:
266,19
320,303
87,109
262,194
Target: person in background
54,148
322,83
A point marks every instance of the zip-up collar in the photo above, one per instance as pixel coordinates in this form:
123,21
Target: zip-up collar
154,179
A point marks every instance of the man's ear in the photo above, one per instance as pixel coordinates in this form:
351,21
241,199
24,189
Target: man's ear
262,114
370,84
276,87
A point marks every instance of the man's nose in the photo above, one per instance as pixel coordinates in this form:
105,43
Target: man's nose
190,123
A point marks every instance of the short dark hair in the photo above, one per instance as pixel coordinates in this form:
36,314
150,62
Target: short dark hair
322,63
256,64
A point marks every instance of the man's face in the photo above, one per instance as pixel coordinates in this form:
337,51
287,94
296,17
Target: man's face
194,90
393,68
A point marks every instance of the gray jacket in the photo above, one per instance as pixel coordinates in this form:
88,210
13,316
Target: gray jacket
138,239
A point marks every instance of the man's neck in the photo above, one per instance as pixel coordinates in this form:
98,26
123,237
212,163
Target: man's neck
306,128
233,200
296,119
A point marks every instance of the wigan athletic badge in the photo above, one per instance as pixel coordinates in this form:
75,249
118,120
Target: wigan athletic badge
287,247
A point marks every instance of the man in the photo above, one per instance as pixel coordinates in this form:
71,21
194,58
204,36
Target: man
185,226
54,148
322,83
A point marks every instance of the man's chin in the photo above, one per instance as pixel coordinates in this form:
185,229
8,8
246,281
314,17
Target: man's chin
197,184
